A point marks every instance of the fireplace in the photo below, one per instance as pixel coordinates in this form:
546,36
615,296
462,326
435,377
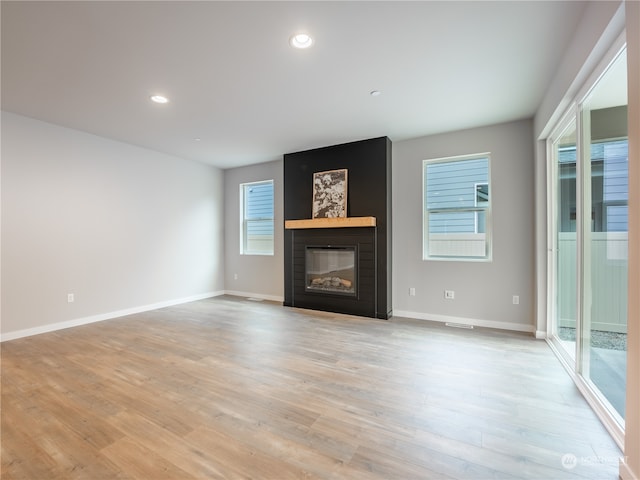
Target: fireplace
331,270
368,196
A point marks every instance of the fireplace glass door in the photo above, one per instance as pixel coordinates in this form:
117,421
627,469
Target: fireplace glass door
331,270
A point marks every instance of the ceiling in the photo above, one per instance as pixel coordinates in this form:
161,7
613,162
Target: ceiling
240,94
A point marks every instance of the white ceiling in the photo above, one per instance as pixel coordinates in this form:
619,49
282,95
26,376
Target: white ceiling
235,83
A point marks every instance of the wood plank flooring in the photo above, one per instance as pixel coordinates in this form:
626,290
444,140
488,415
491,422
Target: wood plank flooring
232,388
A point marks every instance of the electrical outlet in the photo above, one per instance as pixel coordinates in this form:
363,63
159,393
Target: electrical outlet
449,294
412,292
70,298
516,300
235,276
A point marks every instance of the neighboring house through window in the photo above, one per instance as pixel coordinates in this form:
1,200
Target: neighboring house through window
609,186
457,208
256,211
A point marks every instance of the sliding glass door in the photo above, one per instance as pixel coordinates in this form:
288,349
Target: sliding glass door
605,235
588,252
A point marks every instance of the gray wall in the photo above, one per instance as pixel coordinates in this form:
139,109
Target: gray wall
121,227
260,276
609,123
483,290
590,41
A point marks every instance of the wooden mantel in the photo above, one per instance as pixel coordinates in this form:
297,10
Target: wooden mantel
331,223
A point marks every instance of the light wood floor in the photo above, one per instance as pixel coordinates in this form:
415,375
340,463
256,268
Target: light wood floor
230,388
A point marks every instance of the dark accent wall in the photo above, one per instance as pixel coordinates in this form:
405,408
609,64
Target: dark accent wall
368,194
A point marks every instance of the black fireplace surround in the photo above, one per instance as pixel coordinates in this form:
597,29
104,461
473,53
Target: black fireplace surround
363,299
368,293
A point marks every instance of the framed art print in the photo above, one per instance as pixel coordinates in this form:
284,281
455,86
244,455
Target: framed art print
330,194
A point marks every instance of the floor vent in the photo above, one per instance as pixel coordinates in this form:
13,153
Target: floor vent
459,325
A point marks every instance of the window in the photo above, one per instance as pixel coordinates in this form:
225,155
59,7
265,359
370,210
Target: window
457,208
256,211
609,185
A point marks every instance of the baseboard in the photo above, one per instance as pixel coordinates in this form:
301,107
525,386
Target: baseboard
475,322
271,298
28,332
540,335
625,472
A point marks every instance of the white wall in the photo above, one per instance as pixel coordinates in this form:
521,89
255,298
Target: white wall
121,227
260,276
483,290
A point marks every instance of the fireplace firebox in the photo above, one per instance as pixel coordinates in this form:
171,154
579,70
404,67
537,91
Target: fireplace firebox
331,270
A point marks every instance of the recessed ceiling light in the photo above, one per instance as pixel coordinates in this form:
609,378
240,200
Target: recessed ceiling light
301,40
159,99
375,93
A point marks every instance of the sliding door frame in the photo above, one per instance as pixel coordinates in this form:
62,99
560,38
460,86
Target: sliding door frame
576,366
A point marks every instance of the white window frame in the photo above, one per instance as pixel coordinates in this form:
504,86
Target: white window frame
475,200
243,219
488,253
